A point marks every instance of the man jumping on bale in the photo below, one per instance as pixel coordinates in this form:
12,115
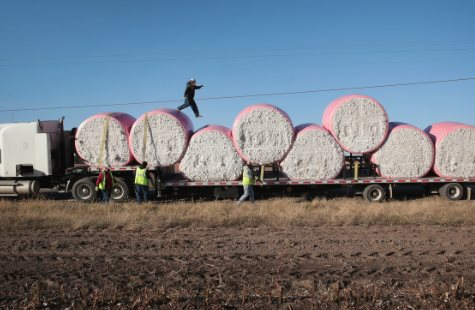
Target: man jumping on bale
190,97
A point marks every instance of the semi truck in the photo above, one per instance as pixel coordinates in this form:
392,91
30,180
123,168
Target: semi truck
40,157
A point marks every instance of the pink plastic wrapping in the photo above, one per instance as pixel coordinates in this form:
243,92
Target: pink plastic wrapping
394,127
88,138
300,129
332,165
263,140
186,128
457,160
211,156
218,128
363,120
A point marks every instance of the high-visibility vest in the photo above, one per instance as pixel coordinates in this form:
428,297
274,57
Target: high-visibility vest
247,176
141,176
102,185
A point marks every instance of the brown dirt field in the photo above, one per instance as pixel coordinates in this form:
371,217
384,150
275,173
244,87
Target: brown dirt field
411,266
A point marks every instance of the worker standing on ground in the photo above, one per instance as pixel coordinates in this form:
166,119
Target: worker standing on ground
248,181
141,182
105,182
190,97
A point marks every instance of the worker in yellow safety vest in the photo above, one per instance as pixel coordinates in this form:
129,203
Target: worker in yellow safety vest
141,183
248,181
105,182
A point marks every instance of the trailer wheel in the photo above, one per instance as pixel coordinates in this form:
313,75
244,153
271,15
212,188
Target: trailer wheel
374,193
451,191
120,191
84,190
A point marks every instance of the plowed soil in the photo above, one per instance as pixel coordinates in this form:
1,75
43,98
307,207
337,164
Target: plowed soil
291,268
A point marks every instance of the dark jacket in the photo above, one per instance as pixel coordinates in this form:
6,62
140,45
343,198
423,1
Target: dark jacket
190,90
109,179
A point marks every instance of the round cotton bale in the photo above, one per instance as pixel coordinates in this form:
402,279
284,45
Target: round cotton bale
454,149
408,152
160,137
211,156
314,155
262,134
359,123
92,136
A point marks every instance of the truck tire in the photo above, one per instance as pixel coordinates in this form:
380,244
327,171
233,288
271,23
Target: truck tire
120,191
84,190
451,191
374,193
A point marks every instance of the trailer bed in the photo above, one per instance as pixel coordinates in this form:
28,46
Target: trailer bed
365,180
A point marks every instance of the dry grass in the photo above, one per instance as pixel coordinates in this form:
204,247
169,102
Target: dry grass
272,213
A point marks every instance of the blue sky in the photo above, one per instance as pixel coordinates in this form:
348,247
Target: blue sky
70,53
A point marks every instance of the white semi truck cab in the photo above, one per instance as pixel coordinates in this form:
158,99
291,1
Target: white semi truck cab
32,155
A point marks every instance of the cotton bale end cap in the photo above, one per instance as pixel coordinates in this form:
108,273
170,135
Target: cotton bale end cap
160,137
211,156
262,134
454,149
93,140
408,152
359,123
314,155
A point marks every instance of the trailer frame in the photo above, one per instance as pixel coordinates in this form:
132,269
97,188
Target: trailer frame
360,176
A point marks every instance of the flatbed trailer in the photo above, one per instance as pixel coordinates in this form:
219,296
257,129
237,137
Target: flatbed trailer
356,178
372,189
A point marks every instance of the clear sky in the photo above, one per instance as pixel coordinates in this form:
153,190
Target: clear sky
97,52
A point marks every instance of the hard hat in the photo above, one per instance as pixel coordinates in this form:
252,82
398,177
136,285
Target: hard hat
192,80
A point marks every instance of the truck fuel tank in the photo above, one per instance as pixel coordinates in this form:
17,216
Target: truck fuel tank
19,187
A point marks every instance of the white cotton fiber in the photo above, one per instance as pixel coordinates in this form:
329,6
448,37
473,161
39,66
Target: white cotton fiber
263,134
408,152
359,123
211,156
454,149
115,146
165,140
314,155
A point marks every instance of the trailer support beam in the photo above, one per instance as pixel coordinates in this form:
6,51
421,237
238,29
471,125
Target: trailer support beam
356,170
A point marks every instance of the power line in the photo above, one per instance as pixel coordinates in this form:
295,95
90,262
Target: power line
344,88
248,95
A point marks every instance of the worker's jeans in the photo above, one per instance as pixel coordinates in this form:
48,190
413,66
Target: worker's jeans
105,195
190,102
248,192
141,191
